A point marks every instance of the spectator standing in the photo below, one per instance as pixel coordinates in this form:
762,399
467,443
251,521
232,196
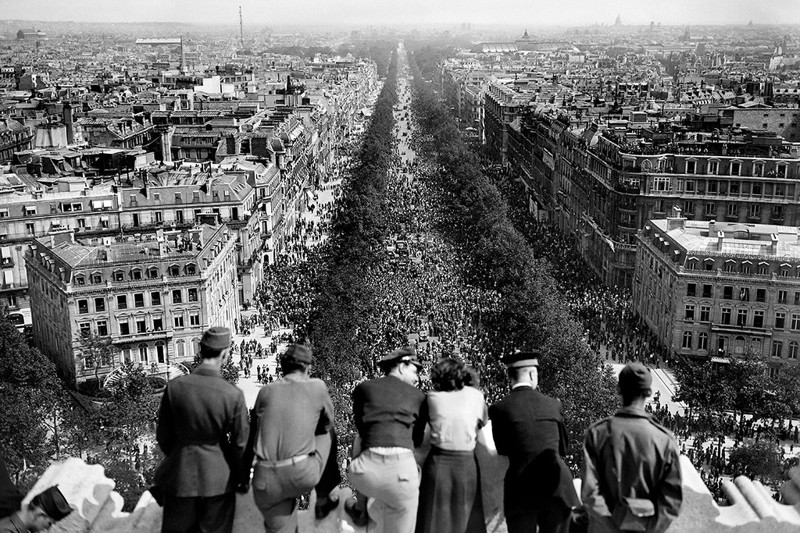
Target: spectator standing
528,428
202,429
450,491
10,498
390,416
631,465
292,440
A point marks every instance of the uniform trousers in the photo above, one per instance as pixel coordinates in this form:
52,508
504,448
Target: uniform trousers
392,483
276,488
553,519
210,514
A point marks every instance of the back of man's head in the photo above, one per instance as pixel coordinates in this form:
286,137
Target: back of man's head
214,342
296,358
635,383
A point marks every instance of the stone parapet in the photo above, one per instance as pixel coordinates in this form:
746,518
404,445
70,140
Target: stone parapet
98,507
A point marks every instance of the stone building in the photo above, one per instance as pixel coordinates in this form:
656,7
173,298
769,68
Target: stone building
28,211
600,183
720,289
178,199
153,296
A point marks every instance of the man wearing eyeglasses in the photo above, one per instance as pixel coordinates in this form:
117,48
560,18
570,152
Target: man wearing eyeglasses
390,414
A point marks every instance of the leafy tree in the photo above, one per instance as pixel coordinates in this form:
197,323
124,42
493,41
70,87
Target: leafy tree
785,388
759,460
97,352
229,370
475,217
29,393
741,386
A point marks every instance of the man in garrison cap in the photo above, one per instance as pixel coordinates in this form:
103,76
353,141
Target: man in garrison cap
293,444
528,428
631,466
203,430
44,510
390,415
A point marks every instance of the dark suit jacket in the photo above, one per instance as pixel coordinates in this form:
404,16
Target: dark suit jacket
389,412
10,497
528,428
203,429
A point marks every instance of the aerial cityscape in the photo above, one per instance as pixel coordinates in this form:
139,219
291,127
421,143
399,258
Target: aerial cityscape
425,267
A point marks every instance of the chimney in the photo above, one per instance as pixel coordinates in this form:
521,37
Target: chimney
712,227
676,221
69,123
773,245
720,240
231,145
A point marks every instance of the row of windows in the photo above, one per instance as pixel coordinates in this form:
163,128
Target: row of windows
137,274
138,300
742,317
144,353
744,294
140,325
745,267
133,200
735,168
687,343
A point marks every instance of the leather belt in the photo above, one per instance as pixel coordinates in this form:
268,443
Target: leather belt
284,462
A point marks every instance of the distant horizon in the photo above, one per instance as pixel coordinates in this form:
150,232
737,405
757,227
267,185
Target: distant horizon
402,25
379,13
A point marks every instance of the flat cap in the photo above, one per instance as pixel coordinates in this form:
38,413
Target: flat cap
521,359
297,353
216,338
635,378
400,355
53,503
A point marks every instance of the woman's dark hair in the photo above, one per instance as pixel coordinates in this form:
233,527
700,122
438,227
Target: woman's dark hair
450,374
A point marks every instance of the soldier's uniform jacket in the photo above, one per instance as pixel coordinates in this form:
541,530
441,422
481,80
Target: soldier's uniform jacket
629,455
203,427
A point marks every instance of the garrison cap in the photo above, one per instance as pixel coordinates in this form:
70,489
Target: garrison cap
635,378
216,338
297,353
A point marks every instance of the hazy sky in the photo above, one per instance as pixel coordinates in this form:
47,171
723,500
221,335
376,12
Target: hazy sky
523,13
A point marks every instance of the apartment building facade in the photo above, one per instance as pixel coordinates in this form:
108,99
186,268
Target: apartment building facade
152,296
600,183
711,289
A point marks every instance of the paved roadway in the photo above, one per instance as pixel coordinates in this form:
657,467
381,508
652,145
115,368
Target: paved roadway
250,386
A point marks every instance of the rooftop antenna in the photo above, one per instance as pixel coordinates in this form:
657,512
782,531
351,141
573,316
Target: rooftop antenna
241,28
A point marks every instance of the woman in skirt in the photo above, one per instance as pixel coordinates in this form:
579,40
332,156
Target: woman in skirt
450,494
